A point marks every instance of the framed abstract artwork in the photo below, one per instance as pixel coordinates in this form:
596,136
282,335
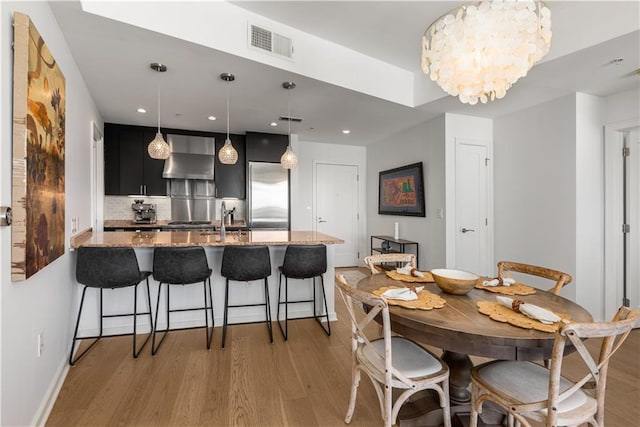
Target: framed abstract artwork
401,191
38,181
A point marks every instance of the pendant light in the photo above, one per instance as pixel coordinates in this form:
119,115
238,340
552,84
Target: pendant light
289,160
228,154
158,148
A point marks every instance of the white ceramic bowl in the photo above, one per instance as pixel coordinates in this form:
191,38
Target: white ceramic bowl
456,282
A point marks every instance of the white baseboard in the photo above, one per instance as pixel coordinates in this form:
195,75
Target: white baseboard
51,395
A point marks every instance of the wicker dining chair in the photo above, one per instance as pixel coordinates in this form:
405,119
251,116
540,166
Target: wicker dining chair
561,279
374,261
390,362
529,391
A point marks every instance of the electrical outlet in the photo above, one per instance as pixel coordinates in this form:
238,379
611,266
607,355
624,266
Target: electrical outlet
40,343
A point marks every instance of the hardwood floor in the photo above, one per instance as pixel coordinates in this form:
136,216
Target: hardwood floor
303,382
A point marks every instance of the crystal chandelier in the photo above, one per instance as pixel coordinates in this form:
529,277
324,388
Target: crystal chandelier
477,52
227,154
289,160
158,148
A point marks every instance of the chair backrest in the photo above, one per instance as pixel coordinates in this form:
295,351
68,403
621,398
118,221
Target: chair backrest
100,267
373,261
304,261
246,263
614,333
180,265
560,278
377,306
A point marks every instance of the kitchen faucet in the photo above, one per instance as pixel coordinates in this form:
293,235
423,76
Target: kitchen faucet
222,215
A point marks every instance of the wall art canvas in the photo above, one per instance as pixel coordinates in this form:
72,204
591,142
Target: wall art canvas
401,191
38,232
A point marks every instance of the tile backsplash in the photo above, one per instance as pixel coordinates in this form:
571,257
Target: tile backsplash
119,207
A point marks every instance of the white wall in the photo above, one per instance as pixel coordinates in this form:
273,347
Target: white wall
535,186
623,106
425,143
302,183
589,164
45,303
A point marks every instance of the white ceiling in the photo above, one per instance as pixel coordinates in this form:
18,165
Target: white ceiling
114,59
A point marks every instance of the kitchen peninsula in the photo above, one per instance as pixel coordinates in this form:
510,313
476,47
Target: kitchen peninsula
143,243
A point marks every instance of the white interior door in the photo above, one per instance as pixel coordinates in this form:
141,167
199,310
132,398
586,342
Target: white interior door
336,208
471,184
632,205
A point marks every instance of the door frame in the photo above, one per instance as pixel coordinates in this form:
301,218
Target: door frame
314,211
451,227
613,214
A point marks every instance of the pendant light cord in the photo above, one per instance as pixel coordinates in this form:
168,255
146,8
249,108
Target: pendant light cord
227,110
158,71
289,98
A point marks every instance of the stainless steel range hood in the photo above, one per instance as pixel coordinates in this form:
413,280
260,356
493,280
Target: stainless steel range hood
192,157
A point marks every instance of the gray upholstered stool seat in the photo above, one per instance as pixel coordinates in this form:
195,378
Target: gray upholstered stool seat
303,262
109,268
246,264
182,266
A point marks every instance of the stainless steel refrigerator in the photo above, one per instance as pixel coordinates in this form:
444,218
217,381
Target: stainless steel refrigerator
268,196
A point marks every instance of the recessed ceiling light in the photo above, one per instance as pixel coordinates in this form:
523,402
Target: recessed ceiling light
141,110
273,124
346,131
211,118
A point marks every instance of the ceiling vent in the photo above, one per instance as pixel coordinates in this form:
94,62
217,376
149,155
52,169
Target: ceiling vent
291,119
269,41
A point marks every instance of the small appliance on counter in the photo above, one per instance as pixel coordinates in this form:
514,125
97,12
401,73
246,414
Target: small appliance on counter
144,213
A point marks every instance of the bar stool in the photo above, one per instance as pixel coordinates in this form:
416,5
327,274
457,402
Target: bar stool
303,262
110,268
245,264
182,266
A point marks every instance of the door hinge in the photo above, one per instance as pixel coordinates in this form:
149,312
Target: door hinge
358,178
626,228
626,151
358,255
486,161
486,221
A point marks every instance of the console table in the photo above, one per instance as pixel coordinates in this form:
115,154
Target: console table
389,245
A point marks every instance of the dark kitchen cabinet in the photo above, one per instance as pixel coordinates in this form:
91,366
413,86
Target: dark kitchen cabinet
265,147
128,167
230,179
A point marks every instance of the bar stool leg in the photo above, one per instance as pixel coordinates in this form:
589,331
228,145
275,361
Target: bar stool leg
285,331
135,319
327,330
154,348
206,314
268,307
226,311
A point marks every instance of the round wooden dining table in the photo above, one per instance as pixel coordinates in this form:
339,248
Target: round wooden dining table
460,330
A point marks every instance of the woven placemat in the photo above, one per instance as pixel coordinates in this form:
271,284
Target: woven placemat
513,289
426,300
500,313
427,277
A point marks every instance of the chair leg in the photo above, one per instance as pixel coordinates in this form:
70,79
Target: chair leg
226,311
285,331
355,381
475,406
268,308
